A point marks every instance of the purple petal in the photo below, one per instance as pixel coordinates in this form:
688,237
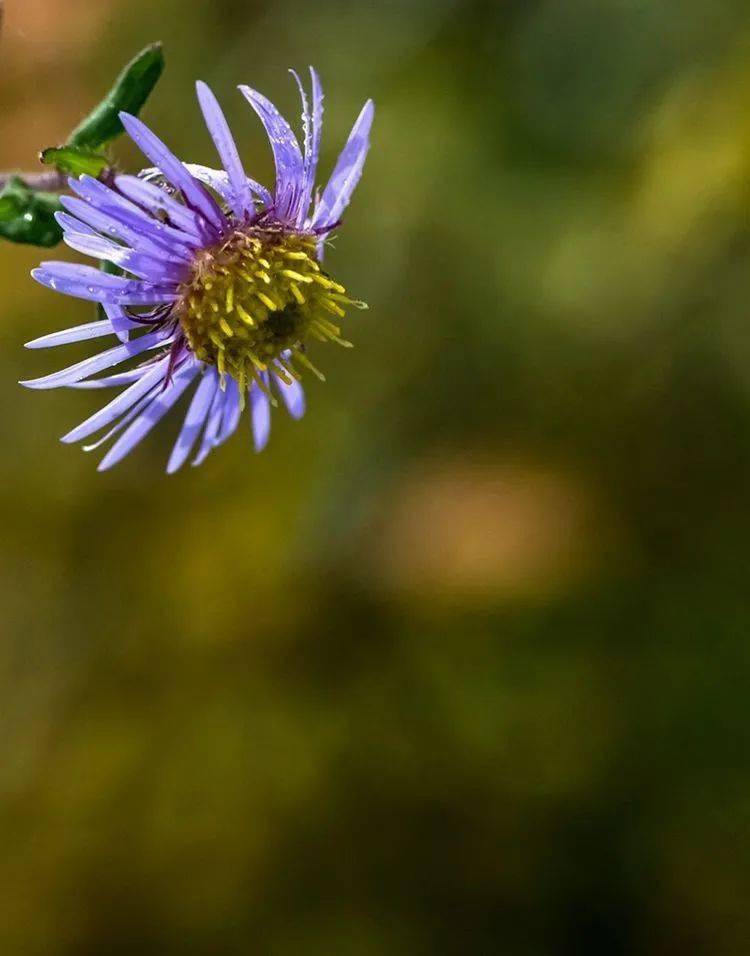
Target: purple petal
157,202
232,412
136,238
260,417
97,363
146,267
347,172
213,423
195,195
218,180
71,224
119,405
152,414
307,130
109,381
122,324
126,419
76,270
85,282
286,152
117,207
120,378
312,124
194,420
317,127
79,333
293,396
241,199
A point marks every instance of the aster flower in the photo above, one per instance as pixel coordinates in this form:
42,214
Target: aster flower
220,282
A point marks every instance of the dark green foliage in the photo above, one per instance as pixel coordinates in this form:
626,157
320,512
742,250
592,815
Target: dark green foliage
131,90
27,216
27,213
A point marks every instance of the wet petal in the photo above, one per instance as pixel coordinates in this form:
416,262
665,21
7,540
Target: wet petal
213,423
312,123
194,420
134,234
85,282
79,333
97,363
260,417
120,209
232,412
119,405
286,152
347,171
293,396
240,199
158,202
195,195
152,414
144,266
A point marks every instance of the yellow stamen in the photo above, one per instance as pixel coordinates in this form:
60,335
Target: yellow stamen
267,301
291,274
243,309
245,316
333,308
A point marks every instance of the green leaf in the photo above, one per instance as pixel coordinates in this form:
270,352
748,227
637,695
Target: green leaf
130,92
8,208
27,216
74,160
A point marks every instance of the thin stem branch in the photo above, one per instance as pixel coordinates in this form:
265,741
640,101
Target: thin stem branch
51,181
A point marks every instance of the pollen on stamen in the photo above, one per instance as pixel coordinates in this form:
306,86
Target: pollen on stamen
244,310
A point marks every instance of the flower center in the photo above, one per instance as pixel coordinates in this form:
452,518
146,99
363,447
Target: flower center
253,300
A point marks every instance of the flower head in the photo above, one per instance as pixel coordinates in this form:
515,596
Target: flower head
219,282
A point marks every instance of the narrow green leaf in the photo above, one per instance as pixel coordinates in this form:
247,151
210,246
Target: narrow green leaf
27,216
74,160
130,92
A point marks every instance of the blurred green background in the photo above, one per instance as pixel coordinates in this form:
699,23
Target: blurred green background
461,664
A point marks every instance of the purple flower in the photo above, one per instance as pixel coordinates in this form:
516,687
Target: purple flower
219,287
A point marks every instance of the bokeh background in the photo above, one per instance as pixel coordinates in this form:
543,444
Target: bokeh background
461,664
